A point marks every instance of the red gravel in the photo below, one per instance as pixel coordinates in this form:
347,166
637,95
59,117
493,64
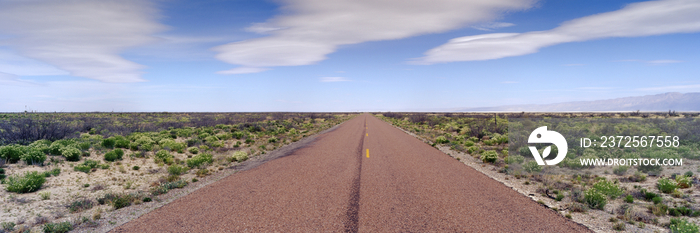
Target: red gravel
331,186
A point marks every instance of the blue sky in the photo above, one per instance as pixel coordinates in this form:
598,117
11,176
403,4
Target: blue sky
346,55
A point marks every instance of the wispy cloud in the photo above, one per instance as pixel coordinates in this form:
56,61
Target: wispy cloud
634,20
651,62
243,70
492,25
671,88
82,37
334,79
594,88
309,30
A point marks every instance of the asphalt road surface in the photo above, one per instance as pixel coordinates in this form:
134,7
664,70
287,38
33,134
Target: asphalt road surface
364,176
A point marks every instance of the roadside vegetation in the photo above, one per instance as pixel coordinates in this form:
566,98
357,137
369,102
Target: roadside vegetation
620,198
73,169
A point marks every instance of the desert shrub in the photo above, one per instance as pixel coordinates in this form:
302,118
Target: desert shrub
82,168
649,169
683,211
489,156
55,171
177,170
135,168
114,155
532,167
122,201
666,185
26,183
61,227
45,195
681,225
71,153
198,160
193,150
2,174
620,226
658,209
621,170
109,142
629,199
80,205
7,226
441,140
165,187
578,207
11,153
240,156
517,159
272,140
468,143
683,182
164,157
33,156
122,143
202,172
472,149
594,199
638,177
524,151
608,188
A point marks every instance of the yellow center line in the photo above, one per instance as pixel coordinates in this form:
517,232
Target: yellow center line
367,153
367,135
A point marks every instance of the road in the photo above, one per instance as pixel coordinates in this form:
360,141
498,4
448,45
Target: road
364,176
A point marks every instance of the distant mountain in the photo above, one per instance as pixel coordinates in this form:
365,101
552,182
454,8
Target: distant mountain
661,102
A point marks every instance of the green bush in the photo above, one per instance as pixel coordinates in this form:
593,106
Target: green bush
441,140
683,182
11,153
83,146
7,226
629,199
666,185
658,209
594,199
240,156
71,153
164,157
532,167
489,156
2,174
29,182
80,205
272,140
34,156
472,149
82,168
114,155
621,170
468,143
517,159
683,211
177,170
608,188
165,187
198,160
193,150
109,142
61,227
122,143
55,171
681,225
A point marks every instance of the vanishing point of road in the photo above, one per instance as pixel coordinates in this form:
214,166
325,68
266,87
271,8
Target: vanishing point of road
364,176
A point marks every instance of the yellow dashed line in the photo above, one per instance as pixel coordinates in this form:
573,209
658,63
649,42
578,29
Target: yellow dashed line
367,153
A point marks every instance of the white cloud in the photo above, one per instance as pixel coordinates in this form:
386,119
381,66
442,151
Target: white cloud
334,79
308,30
634,20
658,62
242,70
492,25
82,37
